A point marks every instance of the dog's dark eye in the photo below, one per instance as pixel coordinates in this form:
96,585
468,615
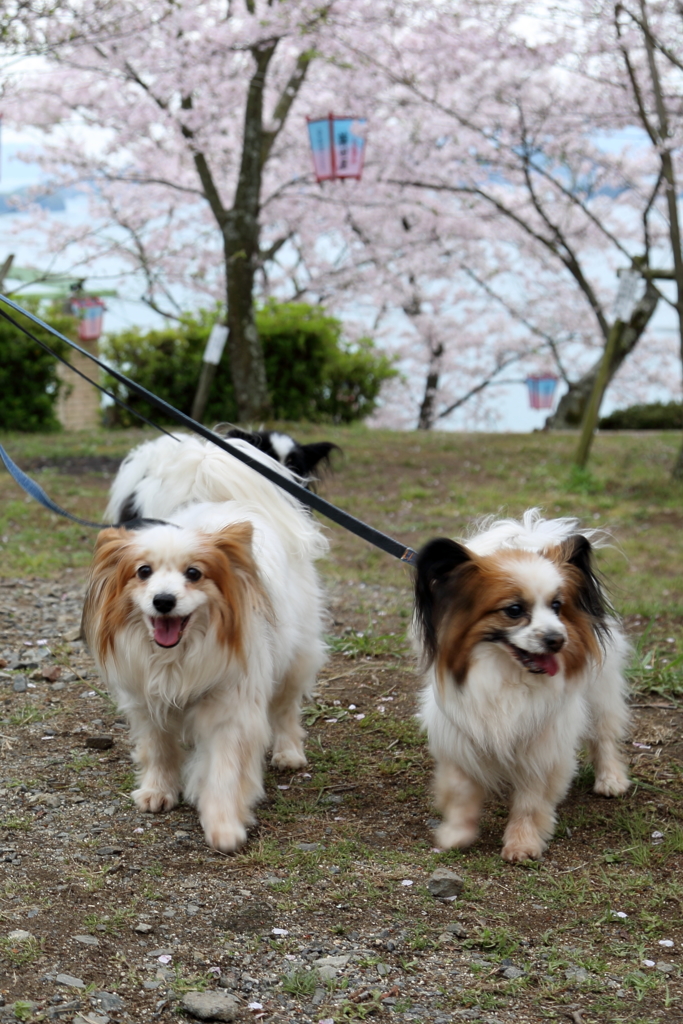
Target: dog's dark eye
144,572
514,611
192,574
556,605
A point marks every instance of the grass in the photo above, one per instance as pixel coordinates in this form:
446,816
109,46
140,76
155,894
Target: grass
301,983
364,800
431,483
22,953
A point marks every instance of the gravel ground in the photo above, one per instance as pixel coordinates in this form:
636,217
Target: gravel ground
327,915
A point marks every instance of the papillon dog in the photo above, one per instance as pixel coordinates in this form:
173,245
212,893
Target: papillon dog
524,660
305,460
204,616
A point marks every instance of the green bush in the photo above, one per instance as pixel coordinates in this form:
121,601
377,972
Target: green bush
29,384
312,372
656,416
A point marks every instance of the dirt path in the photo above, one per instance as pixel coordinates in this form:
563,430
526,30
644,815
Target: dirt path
125,912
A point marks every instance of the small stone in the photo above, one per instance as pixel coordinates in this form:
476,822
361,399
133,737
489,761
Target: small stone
87,940
109,851
70,981
332,961
181,835
20,684
151,984
664,967
92,1018
192,908
443,884
512,972
309,847
210,1005
50,672
72,635
99,742
109,1001
143,927
457,929
577,974
19,935
160,952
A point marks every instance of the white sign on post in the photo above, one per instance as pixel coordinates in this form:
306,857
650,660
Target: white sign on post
629,292
215,344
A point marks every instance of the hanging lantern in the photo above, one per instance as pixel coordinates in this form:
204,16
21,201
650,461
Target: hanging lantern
338,147
89,310
541,391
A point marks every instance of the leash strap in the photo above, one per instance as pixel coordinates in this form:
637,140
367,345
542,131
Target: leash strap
36,491
306,497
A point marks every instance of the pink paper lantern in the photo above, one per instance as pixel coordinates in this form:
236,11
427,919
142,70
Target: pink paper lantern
541,390
338,147
89,310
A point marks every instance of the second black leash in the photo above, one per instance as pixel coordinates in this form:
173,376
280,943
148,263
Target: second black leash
306,497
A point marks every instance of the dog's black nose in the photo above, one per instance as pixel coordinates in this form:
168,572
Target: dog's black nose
553,641
164,603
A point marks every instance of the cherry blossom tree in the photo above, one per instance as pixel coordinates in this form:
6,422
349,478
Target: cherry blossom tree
450,303
503,190
524,117
194,106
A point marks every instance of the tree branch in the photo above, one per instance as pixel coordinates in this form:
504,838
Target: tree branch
284,103
482,384
211,193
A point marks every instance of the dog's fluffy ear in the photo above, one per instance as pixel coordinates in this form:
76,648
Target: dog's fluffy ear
237,578
113,565
436,562
235,540
577,554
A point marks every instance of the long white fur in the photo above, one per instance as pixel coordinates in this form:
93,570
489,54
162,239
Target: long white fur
506,730
229,713
174,471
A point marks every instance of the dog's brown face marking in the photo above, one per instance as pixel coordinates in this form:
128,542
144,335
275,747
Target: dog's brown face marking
546,609
221,566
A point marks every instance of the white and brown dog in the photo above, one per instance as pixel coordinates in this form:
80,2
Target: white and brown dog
206,626
524,660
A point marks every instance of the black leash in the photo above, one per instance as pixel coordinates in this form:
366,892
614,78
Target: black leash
337,515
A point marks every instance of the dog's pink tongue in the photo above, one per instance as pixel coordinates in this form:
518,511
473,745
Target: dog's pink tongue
547,663
167,630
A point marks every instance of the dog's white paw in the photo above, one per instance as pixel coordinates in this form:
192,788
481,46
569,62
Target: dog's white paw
612,781
154,800
224,835
523,841
514,850
288,759
451,837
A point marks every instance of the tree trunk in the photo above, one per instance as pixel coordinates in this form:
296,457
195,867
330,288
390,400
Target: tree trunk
427,410
241,235
572,406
